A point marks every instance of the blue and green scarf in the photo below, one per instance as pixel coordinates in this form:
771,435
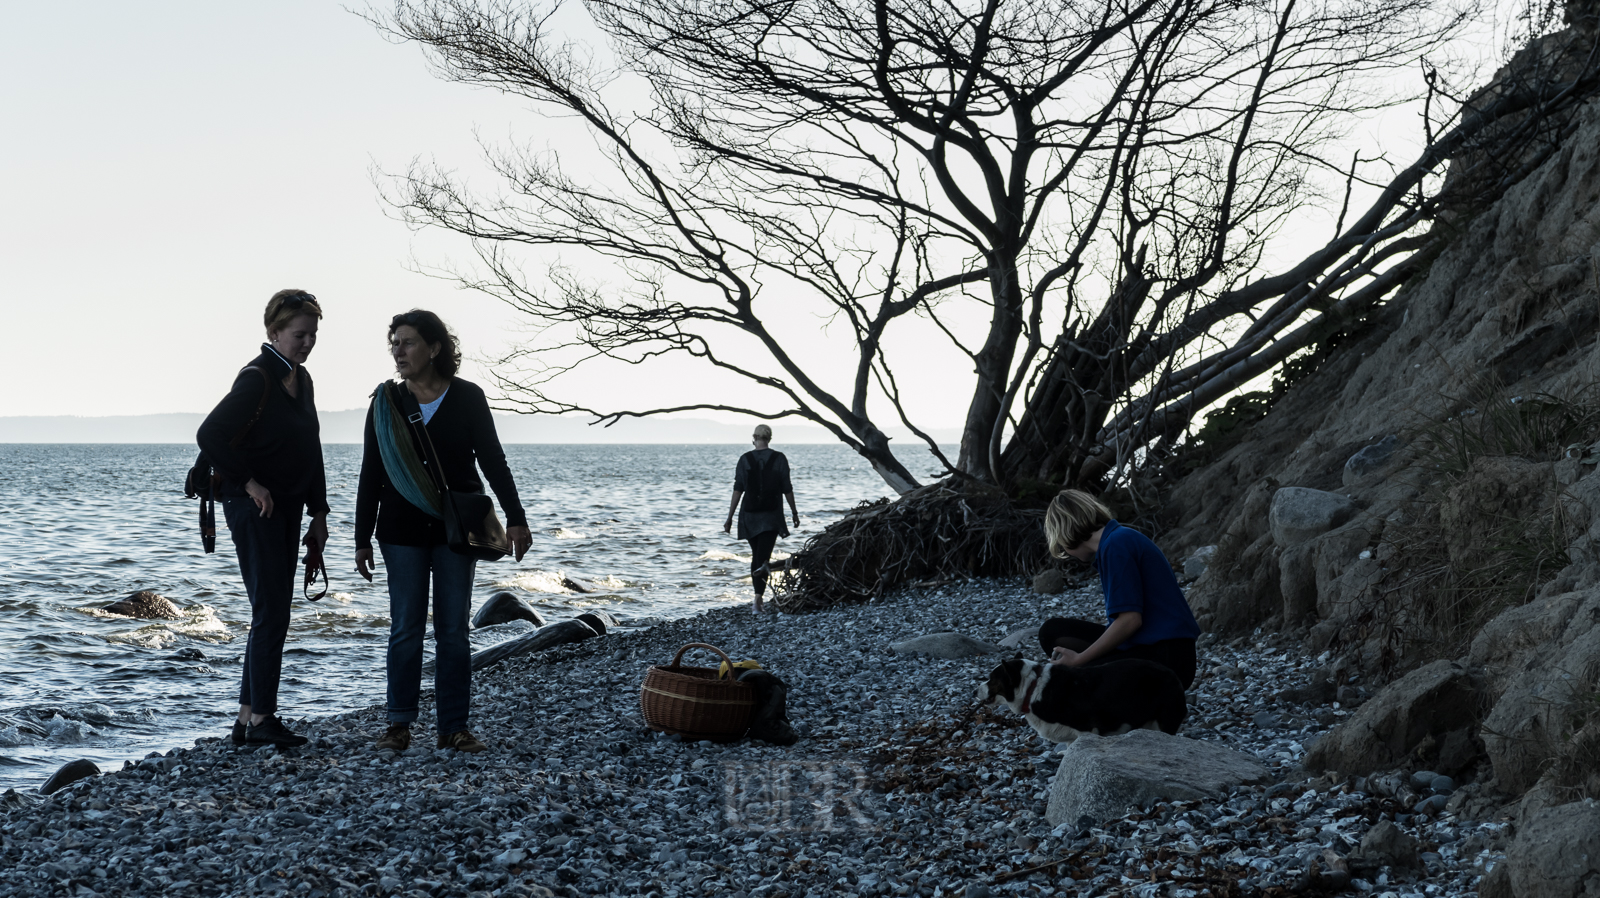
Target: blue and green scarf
399,451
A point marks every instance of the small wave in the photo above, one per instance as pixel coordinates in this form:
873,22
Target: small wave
343,598
63,729
592,601
13,736
564,533
153,637
201,622
719,555
534,581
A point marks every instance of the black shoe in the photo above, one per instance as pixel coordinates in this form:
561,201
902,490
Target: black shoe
238,733
271,731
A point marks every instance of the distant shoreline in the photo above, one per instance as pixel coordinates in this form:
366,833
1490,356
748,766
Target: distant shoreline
345,426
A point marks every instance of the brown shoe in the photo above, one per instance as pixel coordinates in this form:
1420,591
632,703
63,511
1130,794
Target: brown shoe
397,737
462,741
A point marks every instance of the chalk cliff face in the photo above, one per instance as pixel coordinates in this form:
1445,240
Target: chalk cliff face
1448,505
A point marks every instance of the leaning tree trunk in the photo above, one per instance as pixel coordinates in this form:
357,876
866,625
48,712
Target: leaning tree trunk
992,364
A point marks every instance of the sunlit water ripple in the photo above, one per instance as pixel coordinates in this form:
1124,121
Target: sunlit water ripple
84,525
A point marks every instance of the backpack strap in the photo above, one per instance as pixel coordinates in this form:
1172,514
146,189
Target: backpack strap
266,387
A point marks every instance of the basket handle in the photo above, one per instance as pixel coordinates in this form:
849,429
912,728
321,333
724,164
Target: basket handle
700,645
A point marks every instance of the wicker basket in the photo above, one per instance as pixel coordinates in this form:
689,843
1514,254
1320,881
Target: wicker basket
693,703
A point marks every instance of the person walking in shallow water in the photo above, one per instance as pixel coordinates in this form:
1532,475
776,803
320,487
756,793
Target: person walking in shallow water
400,501
761,480
264,441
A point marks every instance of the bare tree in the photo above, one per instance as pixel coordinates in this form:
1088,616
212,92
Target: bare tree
1112,169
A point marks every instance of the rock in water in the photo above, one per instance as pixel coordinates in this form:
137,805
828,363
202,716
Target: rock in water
576,585
1106,777
145,605
503,607
69,773
946,645
600,621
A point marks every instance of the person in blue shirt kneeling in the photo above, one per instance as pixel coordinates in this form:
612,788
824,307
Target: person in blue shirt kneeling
1148,616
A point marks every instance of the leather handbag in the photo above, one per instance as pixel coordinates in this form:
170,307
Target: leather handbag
470,525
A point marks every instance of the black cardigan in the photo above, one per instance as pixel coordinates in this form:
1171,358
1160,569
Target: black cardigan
283,449
462,429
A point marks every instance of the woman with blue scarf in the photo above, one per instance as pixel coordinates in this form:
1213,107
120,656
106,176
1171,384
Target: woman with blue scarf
399,499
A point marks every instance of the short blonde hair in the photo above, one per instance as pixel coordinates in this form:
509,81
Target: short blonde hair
287,305
763,432
1073,517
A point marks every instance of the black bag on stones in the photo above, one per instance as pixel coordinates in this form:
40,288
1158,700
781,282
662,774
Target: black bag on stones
770,720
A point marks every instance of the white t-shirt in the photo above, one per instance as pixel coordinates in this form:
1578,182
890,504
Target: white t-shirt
428,408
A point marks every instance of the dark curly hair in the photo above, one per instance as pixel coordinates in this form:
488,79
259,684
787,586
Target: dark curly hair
433,331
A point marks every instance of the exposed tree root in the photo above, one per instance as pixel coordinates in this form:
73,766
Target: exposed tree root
937,532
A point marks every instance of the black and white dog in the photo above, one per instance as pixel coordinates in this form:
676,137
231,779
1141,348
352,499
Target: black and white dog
1062,702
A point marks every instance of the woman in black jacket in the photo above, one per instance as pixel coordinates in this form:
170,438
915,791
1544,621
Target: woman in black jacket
761,480
263,439
456,415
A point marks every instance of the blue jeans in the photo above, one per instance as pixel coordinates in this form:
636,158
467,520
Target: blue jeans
408,568
269,556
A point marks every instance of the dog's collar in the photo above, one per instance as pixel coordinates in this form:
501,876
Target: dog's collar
1027,695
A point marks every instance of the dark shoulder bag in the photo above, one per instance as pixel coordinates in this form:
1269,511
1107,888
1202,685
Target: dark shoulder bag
202,481
470,525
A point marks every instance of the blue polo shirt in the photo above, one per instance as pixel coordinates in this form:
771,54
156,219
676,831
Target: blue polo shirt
1135,576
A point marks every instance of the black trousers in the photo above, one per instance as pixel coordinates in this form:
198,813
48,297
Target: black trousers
1176,655
760,554
269,556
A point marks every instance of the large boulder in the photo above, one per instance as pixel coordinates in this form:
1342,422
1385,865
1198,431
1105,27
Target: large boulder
145,605
1547,697
1430,703
503,608
1300,513
1506,643
946,645
1106,777
1557,855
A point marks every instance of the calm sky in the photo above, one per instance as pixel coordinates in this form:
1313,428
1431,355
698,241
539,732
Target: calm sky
171,164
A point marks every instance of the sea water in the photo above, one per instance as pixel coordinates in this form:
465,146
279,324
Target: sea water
84,525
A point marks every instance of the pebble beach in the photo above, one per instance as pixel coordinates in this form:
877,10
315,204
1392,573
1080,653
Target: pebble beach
898,786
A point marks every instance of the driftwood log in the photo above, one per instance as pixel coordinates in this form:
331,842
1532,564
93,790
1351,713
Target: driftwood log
543,638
